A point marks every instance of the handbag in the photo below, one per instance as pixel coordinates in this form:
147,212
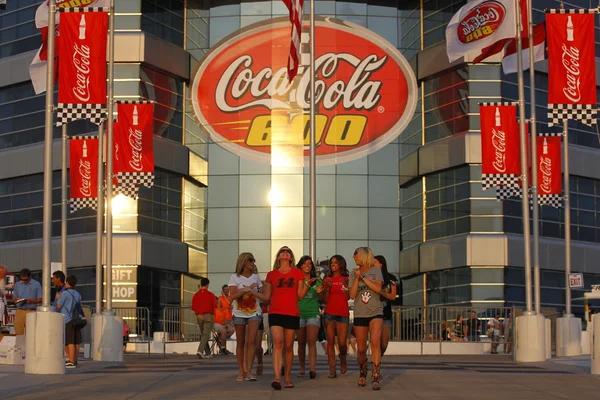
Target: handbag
77,316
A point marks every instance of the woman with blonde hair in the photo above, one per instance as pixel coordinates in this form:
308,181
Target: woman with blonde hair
285,284
337,313
244,289
365,288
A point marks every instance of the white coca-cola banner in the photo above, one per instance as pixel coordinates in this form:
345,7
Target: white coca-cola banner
133,150
83,172
571,66
82,65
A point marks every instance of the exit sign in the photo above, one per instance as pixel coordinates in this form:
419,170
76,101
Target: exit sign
576,281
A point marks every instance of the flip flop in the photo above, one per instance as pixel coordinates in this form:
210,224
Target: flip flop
259,369
300,375
240,379
289,385
276,385
251,378
313,374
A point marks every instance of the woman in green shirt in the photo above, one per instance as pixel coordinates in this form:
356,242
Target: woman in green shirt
309,317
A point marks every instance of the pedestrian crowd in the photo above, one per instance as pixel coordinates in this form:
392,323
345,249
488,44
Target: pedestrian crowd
295,302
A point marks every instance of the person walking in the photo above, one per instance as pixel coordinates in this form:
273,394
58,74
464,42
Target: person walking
245,289
68,301
285,285
310,321
203,305
27,294
365,289
388,295
337,313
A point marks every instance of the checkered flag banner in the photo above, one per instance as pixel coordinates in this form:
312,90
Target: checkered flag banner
506,192
82,64
129,183
571,66
83,171
552,200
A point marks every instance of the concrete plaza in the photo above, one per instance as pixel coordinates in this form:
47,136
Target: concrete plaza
407,377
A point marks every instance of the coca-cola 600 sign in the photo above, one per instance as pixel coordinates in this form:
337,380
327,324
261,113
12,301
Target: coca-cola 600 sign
366,93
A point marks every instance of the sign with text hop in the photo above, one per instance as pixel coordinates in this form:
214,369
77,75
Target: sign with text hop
82,65
549,169
479,24
571,66
133,151
500,158
83,172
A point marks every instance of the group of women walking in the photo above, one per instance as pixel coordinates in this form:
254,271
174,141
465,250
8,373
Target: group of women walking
292,294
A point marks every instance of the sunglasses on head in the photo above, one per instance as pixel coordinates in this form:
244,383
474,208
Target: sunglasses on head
355,252
252,260
285,251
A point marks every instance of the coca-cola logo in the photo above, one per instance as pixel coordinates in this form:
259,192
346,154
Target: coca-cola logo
81,61
499,143
546,172
85,172
365,96
481,21
135,141
570,61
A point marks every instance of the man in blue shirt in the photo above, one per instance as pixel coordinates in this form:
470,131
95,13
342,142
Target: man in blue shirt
58,280
27,294
68,302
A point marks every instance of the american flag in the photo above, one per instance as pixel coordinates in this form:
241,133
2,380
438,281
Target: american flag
295,8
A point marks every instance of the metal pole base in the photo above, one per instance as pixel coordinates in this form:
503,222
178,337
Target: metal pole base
107,337
531,339
45,343
596,346
568,336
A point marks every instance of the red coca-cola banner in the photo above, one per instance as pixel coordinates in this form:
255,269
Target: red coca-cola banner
571,66
133,151
82,65
83,172
500,162
549,169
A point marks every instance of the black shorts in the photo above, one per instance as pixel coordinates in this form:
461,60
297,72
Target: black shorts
285,321
72,334
366,321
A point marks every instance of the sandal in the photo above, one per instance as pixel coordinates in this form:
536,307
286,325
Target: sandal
312,374
343,364
288,384
300,375
259,369
276,384
332,375
240,378
251,378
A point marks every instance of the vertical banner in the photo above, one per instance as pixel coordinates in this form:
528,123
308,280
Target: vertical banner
549,167
133,151
83,172
500,157
571,66
82,65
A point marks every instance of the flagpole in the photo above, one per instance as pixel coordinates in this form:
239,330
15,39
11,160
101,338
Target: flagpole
65,202
524,177
100,219
109,156
567,211
534,171
48,144
313,136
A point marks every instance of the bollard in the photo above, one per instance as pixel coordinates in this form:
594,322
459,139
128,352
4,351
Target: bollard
596,345
548,339
531,338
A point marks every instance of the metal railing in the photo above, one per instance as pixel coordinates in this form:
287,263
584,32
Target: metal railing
179,325
138,321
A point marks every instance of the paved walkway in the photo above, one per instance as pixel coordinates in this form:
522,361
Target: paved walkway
149,377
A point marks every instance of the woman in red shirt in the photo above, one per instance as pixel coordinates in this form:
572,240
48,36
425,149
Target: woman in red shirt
337,314
285,284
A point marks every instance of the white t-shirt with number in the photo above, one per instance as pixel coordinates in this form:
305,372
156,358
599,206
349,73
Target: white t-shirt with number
247,305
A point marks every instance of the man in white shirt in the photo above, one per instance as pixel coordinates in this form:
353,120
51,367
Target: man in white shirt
494,324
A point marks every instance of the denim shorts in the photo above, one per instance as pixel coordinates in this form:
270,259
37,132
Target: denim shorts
336,318
310,321
245,321
387,322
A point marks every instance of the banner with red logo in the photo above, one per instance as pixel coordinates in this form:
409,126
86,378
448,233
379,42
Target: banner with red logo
571,66
549,169
83,172
133,151
82,65
500,158
480,24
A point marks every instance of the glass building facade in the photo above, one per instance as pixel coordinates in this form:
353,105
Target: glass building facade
418,200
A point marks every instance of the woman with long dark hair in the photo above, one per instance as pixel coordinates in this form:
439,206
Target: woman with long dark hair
365,286
337,314
284,285
388,295
309,317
